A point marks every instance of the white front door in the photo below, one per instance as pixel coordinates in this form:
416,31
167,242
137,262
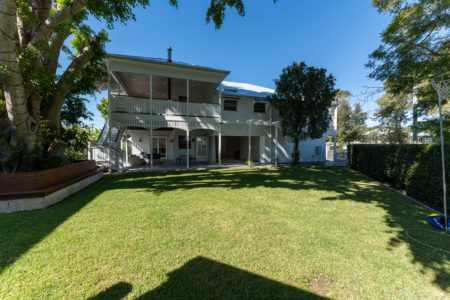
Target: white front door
201,148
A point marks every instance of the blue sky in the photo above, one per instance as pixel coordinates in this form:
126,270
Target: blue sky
336,35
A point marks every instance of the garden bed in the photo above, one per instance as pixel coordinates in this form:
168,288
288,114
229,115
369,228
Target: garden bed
40,189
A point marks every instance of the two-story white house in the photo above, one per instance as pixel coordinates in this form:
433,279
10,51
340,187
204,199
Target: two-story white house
172,113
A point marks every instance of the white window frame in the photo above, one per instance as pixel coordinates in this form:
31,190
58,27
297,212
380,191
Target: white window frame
231,100
260,112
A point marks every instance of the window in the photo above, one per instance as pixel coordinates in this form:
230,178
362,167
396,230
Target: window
230,105
259,107
182,142
318,150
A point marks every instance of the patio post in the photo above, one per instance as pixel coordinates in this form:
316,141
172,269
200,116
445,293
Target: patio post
249,141
151,122
276,142
151,144
270,130
109,147
188,144
334,147
335,125
187,98
109,119
219,151
126,146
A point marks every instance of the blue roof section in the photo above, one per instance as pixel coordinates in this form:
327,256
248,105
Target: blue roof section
246,90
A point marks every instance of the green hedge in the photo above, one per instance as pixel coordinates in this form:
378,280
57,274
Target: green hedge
415,169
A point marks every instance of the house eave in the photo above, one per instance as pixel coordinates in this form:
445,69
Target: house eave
169,65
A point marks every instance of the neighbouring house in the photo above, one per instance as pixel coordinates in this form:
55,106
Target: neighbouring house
425,138
172,113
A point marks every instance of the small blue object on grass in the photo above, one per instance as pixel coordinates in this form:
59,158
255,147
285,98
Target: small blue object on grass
437,222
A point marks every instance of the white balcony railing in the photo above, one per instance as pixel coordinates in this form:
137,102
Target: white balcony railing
101,155
163,107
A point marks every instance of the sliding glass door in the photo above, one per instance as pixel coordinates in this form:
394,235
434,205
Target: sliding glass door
201,146
160,146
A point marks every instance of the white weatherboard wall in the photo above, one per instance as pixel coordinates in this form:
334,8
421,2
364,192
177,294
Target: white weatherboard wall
238,126
245,112
236,123
307,148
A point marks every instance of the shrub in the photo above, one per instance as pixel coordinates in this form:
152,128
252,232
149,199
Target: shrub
415,169
250,163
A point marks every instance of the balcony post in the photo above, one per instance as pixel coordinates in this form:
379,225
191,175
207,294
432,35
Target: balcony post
151,144
187,98
220,103
151,94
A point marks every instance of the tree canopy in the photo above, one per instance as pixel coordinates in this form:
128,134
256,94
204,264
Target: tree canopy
392,114
351,124
303,97
415,48
102,107
34,90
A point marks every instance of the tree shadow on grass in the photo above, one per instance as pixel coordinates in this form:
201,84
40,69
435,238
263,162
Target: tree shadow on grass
402,214
203,278
161,183
22,230
404,217
115,292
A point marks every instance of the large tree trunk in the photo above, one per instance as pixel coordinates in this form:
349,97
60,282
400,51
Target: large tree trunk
23,124
295,153
65,84
45,34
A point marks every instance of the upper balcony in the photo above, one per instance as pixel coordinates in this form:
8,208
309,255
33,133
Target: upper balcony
124,104
161,95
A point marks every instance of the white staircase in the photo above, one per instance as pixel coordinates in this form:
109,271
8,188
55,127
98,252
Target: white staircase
100,150
103,137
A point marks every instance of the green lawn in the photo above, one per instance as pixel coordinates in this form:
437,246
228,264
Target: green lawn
224,234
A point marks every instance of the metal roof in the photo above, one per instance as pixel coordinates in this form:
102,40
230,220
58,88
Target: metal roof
246,89
162,61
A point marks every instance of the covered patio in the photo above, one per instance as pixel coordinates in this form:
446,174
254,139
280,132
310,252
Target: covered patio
169,146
